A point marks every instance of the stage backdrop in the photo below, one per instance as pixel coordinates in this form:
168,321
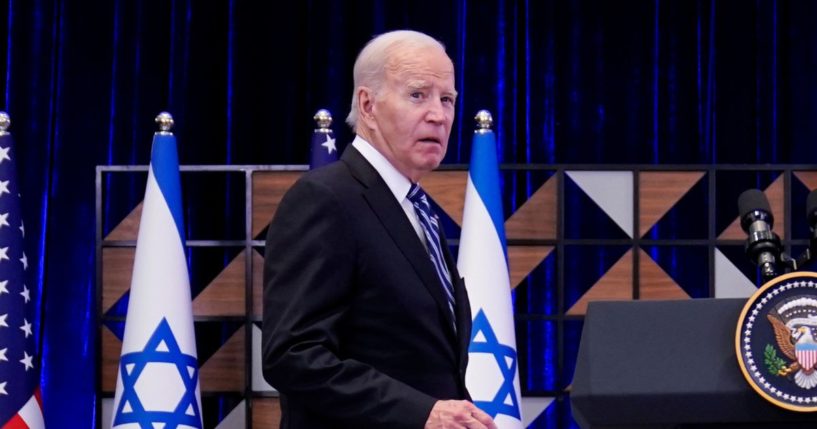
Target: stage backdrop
695,83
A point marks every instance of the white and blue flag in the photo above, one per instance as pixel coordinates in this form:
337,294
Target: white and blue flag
158,375
492,377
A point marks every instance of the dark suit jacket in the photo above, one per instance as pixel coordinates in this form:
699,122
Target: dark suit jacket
357,331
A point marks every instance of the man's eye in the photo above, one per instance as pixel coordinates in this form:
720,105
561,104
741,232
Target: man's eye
417,94
448,100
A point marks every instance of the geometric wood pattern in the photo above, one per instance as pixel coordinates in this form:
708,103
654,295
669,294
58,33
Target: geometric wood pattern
654,282
224,371
809,178
117,263
257,284
447,189
536,218
524,259
775,194
266,413
225,295
268,187
128,229
659,191
615,285
111,349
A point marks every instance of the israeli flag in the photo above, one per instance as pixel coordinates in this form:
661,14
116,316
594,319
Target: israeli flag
492,377
158,376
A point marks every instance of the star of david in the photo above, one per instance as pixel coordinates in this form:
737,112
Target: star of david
506,359
131,409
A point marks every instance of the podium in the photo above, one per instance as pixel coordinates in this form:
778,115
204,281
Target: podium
668,364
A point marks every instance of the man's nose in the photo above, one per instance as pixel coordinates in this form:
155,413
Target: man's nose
435,111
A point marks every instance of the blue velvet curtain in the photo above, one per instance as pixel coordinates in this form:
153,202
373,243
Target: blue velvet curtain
647,81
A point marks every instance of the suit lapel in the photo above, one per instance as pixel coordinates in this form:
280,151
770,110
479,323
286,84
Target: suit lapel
393,218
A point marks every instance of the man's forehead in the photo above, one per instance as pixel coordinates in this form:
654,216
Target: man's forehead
418,74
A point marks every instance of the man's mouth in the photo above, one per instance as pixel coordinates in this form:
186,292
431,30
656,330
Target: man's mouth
433,140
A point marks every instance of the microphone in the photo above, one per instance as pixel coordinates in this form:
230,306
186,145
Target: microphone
811,211
762,246
811,215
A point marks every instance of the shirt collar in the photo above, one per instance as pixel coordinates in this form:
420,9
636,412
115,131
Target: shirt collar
396,181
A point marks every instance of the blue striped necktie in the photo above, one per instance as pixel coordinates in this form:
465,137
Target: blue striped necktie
431,230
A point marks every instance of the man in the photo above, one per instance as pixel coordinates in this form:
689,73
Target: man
366,320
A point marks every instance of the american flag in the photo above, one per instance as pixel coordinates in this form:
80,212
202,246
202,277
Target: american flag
20,400
323,148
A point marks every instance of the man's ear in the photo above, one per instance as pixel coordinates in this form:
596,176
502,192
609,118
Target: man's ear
365,105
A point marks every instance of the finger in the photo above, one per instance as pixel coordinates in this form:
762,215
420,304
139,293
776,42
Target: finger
483,418
475,424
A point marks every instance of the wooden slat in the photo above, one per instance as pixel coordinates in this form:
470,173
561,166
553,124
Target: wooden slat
225,295
447,189
654,282
809,178
128,229
111,349
536,219
615,285
257,285
268,187
524,259
224,371
117,269
266,413
659,191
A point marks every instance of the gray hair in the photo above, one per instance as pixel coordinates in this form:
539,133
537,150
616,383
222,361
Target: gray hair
370,66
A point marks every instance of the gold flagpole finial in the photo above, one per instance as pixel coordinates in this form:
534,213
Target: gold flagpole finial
324,120
5,123
484,120
165,121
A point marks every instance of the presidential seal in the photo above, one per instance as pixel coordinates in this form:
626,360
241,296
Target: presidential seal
775,341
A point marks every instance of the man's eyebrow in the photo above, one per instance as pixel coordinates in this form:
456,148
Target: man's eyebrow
417,84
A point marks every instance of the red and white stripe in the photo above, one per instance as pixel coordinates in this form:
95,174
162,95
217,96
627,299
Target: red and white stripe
807,358
30,415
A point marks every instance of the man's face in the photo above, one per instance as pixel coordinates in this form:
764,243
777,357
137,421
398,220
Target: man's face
412,112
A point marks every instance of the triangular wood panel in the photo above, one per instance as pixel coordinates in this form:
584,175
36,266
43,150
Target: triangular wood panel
659,191
128,229
654,282
775,195
809,178
524,259
117,270
226,294
536,219
447,189
111,349
224,371
615,285
268,187
257,285
266,413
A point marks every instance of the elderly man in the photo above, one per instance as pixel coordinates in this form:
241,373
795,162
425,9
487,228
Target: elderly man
366,320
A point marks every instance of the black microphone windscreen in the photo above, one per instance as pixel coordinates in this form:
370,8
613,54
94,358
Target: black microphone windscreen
751,200
811,208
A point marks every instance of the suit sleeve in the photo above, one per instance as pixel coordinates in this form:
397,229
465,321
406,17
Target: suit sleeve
309,272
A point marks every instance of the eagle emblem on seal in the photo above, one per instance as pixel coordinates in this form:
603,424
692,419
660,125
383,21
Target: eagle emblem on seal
794,322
